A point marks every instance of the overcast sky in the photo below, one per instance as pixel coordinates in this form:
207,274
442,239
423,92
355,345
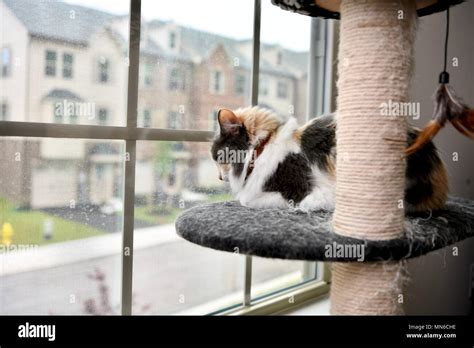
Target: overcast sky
233,18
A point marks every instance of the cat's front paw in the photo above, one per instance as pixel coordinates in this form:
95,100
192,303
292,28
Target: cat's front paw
308,205
265,200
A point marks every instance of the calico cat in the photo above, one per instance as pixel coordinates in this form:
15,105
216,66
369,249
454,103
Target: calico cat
271,163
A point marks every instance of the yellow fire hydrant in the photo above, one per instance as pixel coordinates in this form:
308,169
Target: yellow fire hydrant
7,233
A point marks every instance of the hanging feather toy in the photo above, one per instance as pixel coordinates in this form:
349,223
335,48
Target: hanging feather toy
448,107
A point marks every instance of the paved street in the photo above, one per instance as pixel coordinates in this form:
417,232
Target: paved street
170,275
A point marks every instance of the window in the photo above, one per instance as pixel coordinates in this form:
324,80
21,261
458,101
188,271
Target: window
65,114
216,82
67,65
55,198
176,79
103,65
172,39
279,58
68,188
212,120
146,118
58,115
73,117
174,120
103,116
50,68
240,83
263,87
99,171
4,111
6,62
147,74
282,90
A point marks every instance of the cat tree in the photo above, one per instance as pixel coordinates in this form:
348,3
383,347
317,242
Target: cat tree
375,66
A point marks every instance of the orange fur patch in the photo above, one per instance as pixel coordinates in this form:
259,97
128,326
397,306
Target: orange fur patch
260,123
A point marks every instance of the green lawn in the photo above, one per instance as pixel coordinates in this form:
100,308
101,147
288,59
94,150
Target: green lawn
28,226
221,197
143,212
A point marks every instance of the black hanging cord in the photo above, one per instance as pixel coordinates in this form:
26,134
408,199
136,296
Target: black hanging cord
444,76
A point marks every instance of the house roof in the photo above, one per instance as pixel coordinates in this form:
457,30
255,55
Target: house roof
56,20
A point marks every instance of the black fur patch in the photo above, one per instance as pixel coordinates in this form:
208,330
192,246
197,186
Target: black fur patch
233,142
318,139
292,178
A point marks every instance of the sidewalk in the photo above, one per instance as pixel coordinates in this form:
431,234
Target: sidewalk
60,254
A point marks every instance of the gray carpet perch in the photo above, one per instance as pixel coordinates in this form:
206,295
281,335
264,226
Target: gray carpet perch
293,234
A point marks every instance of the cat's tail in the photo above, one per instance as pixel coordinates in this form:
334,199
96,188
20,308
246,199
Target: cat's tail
426,177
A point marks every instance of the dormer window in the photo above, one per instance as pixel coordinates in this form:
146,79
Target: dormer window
172,39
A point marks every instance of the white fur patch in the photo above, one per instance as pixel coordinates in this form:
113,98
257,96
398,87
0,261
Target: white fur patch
250,193
323,194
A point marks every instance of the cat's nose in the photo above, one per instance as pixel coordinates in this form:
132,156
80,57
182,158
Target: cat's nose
220,177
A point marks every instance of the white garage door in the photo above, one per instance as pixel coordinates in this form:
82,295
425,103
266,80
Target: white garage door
53,187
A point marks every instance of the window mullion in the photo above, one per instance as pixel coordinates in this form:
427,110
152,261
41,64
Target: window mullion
130,158
53,130
257,15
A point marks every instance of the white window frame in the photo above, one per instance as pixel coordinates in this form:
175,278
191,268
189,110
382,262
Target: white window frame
131,134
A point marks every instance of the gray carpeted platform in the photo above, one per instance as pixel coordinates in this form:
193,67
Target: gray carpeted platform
293,234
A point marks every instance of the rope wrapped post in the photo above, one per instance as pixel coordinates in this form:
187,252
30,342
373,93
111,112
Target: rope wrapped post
375,64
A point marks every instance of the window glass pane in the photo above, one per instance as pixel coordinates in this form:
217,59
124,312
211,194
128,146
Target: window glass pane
170,274
270,275
60,226
50,65
194,61
282,88
4,111
67,65
6,61
65,54
284,62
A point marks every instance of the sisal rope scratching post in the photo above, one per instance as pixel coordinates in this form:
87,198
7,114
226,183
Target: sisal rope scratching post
375,64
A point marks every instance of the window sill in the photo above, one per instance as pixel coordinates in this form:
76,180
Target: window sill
285,301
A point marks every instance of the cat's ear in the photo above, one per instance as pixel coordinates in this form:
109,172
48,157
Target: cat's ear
228,122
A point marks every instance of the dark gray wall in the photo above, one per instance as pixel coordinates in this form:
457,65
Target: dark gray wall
440,281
